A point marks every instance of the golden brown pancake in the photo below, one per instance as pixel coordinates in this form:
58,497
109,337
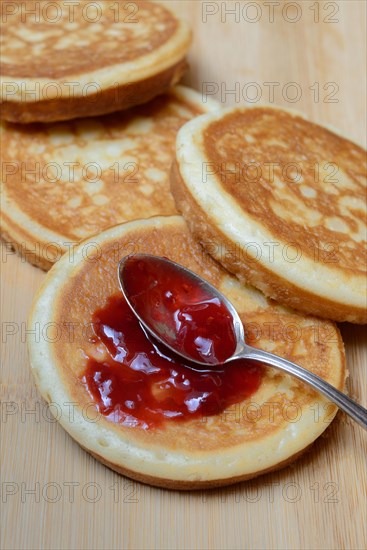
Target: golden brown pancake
261,433
63,182
62,61
280,202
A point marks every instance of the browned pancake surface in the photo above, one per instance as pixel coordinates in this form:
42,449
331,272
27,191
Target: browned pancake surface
302,182
80,177
65,41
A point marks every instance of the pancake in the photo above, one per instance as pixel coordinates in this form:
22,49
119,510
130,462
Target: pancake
61,62
63,182
260,433
280,202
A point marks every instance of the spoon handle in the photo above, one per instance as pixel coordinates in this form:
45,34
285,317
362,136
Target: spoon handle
353,409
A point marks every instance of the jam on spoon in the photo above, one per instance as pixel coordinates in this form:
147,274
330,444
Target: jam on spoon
154,288
192,320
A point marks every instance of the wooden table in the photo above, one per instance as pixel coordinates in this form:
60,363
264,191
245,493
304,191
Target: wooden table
317,61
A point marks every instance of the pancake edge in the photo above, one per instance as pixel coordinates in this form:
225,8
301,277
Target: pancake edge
167,63
208,228
110,99
182,485
21,235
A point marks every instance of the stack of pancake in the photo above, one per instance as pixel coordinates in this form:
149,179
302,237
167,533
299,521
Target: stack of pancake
65,176
259,206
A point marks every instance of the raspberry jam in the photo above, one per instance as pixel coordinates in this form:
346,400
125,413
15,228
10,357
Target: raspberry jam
138,384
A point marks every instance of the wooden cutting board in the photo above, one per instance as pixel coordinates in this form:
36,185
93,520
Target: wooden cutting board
312,55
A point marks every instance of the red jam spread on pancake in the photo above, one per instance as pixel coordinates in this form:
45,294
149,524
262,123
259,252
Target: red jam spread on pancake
140,383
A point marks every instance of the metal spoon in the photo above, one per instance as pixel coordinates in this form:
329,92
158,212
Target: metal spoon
242,351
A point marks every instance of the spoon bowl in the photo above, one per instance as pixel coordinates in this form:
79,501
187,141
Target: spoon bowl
190,317
169,338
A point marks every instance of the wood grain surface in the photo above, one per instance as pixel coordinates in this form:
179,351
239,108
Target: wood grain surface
320,502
